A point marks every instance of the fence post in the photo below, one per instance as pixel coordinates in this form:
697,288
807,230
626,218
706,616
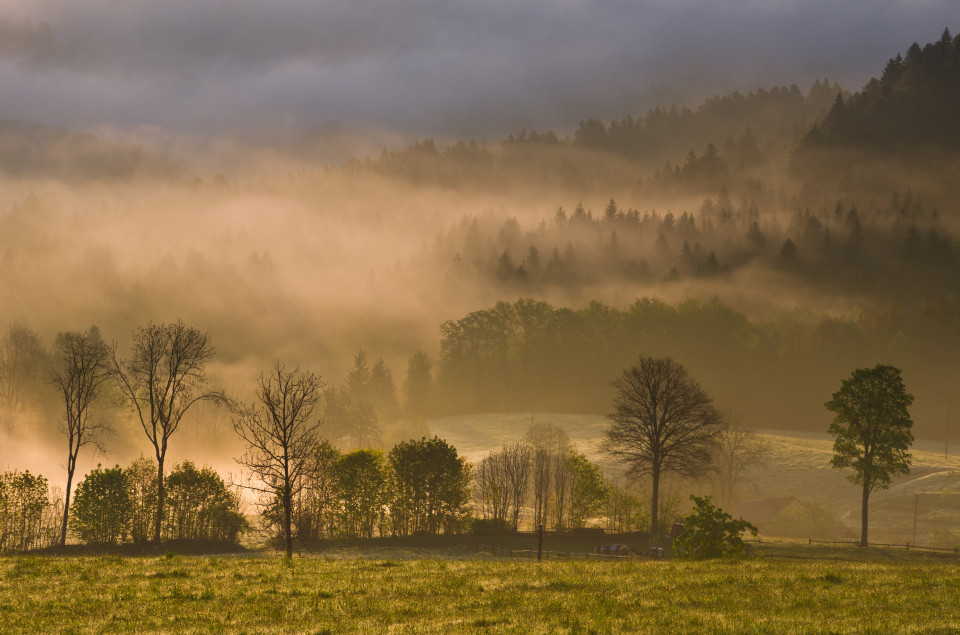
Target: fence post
539,542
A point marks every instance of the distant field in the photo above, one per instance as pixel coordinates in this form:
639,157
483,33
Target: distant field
317,595
797,464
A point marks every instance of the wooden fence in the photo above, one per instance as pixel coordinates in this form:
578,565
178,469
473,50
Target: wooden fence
906,546
555,555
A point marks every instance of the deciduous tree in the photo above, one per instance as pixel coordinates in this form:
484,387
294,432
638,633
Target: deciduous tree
164,377
432,486
101,507
281,434
82,364
871,431
663,421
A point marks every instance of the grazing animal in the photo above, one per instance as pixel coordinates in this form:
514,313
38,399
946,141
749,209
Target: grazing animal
613,550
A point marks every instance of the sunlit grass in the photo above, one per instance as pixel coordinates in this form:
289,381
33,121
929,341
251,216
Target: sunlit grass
312,594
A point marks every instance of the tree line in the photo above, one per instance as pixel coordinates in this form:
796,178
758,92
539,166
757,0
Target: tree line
532,356
899,250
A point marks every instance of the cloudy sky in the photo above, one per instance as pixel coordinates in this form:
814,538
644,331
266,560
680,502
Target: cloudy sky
448,68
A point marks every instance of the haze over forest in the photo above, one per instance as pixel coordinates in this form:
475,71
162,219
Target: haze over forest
527,196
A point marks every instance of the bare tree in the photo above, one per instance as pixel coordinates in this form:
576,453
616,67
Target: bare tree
490,493
517,459
502,480
83,362
282,436
662,422
548,441
561,489
542,479
738,448
161,381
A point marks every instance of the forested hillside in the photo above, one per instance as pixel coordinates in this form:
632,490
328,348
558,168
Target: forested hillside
665,151
898,128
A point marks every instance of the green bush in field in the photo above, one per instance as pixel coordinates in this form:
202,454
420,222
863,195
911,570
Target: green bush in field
711,532
432,487
589,490
200,507
23,499
142,490
101,507
365,489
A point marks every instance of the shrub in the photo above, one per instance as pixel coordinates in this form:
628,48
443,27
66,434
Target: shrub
142,491
200,507
316,503
365,491
711,532
101,507
24,512
432,487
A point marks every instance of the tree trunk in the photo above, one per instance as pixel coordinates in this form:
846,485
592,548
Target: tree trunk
863,516
655,505
71,466
160,496
287,519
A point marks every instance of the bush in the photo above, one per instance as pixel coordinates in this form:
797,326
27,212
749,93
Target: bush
142,490
101,507
432,487
316,501
200,507
711,532
365,490
25,518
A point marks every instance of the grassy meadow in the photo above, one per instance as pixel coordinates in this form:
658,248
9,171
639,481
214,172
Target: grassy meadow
257,593
446,584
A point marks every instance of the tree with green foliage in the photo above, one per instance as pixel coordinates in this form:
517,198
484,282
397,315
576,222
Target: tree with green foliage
710,532
200,507
82,364
316,508
871,431
142,491
663,421
23,499
281,434
589,490
101,507
431,487
365,492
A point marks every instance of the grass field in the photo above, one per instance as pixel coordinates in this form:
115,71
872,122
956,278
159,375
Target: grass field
260,593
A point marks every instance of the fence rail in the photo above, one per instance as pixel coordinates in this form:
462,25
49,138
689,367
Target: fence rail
852,542
906,546
556,555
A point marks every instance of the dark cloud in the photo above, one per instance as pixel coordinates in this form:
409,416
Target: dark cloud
449,68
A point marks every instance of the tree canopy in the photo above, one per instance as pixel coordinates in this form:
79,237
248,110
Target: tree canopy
662,421
871,430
